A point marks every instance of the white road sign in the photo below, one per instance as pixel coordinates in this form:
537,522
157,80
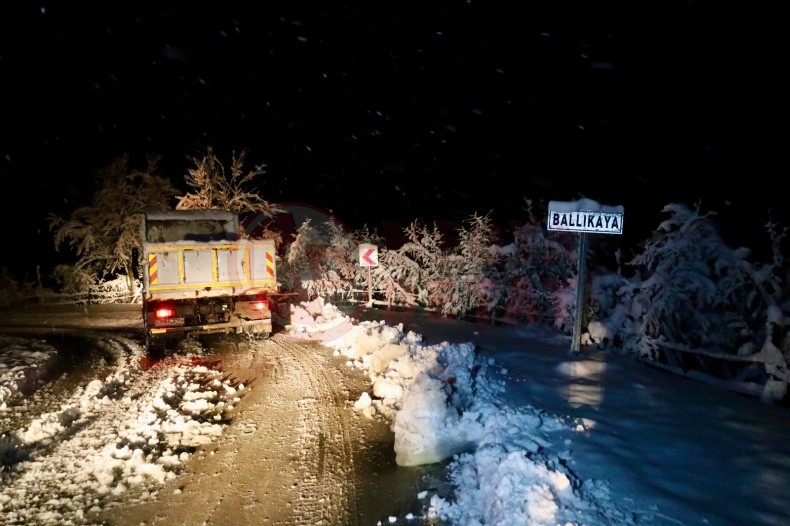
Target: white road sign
585,215
368,255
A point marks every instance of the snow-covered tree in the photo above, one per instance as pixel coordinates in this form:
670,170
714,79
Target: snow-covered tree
321,261
469,265
339,271
295,265
214,186
693,292
424,273
103,234
394,279
424,266
73,279
701,292
530,274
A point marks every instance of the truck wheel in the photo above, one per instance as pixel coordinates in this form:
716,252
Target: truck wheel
154,347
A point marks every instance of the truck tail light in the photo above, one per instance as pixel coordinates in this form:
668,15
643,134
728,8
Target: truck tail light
261,305
164,312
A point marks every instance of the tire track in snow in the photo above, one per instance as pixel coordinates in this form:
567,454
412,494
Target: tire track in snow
325,449
285,459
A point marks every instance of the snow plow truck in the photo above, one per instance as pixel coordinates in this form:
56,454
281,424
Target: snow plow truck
201,276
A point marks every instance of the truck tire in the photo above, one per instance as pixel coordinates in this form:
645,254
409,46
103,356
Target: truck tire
154,347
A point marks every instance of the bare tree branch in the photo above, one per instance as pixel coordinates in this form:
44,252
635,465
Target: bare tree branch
214,187
103,234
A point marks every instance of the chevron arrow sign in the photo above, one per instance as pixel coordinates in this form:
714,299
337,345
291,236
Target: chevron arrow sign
368,255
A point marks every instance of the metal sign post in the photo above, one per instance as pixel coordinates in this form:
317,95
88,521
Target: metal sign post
580,280
583,216
369,257
370,289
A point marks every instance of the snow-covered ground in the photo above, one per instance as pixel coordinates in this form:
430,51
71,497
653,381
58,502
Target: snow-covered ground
133,427
531,433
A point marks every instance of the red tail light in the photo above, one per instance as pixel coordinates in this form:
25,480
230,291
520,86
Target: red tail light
261,305
164,312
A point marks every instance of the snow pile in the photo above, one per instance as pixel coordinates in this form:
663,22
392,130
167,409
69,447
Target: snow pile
443,403
317,320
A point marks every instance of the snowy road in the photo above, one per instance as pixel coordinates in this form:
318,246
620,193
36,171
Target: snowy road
294,453
275,439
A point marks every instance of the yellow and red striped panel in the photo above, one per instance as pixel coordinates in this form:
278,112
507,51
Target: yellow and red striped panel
153,275
269,264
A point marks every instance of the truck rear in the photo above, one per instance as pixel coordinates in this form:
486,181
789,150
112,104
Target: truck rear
202,276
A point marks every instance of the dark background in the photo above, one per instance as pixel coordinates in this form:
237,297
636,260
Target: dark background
394,111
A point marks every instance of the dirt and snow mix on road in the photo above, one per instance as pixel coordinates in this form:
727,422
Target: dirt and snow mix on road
133,428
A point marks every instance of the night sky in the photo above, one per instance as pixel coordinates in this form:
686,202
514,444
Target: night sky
381,111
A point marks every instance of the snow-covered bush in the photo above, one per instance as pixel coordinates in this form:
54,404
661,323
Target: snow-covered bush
397,278
532,274
526,280
690,289
425,265
471,262
116,290
73,279
322,260
424,272
79,286
617,304
393,278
